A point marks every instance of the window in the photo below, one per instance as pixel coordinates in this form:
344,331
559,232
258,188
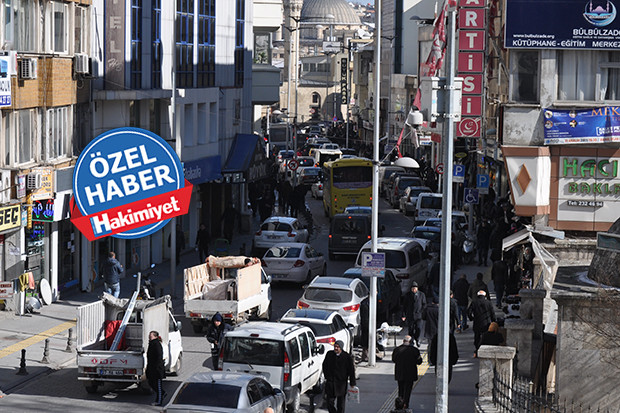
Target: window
208,394
361,290
206,43
610,77
156,48
262,49
27,26
237,114
56,27
239,43
57,132
294,351
304,346
27,135
136,45
577,71
184,43
202,123
316,98
21,129
81,30
7,120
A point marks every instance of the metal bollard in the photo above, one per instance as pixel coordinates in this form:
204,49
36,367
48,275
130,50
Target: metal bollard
46,352
69,348
22,364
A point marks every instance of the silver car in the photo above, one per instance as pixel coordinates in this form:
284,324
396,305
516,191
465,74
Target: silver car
226,392
276,230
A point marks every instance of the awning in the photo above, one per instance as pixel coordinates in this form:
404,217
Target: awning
247,156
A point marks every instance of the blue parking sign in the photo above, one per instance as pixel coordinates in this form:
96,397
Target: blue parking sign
458,173
482,181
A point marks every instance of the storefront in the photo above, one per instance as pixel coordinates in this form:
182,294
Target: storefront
10,236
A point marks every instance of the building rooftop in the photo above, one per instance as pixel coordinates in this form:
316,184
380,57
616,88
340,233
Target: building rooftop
315,11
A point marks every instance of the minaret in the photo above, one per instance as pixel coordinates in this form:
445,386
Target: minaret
292,17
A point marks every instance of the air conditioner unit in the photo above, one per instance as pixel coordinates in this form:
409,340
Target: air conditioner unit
28,69
81,64
5,186
33,181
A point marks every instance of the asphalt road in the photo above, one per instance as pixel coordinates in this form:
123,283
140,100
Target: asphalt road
60,390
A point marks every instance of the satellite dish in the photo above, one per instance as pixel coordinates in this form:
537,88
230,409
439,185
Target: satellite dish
46,291
406,162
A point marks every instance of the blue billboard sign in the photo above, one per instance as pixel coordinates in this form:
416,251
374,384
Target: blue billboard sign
562,24
594,125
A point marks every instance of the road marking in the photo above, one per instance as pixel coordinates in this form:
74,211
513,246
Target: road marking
36,338
389,403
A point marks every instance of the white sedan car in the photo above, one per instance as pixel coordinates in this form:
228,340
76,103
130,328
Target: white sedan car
293,261
328,326
317,190
344,295
276,230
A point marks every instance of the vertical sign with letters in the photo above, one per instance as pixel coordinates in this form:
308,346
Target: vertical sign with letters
114,76
344,69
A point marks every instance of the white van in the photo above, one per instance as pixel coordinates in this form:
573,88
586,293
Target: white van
428,206
288,356
405,257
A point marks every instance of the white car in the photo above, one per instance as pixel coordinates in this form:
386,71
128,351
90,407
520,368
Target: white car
317,190
344,295
276,230
293,261
328,326
409,200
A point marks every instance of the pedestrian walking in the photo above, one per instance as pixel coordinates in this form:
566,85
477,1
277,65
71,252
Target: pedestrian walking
414,304
431,320
492,337
406,359
482,313
499,275
338,369
112,270
453,353
460,288
482,242
215,335
202,242
228,219
155,370
453,321
180,243
478,285
399,406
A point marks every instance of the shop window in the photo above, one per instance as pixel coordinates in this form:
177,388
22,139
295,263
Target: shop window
136,44
524,70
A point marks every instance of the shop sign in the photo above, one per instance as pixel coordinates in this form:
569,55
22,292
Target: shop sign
46,190
588,176
43,211
595,125
6,289
128,183
5,82
10,217
569,24
21,186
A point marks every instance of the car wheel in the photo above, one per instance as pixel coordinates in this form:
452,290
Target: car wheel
295,404
177,366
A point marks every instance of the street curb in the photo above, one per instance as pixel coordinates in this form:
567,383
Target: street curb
43,372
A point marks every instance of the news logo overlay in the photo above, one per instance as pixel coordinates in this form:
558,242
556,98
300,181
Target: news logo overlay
127,183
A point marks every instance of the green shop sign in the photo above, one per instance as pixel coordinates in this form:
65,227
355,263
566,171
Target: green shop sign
591,168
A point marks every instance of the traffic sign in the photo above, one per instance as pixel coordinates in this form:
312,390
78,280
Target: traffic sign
482,182
373,264
470,196
293,164
439,168
458,174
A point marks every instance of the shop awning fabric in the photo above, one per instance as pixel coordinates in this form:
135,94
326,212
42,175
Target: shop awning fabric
241,152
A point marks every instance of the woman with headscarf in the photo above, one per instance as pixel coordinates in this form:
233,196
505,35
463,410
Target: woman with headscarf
155,369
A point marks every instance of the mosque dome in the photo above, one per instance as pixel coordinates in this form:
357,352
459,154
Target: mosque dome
316,11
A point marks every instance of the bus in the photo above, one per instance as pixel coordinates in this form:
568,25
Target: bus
346,182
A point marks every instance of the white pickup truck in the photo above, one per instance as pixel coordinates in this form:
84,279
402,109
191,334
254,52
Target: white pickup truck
96,326
235,286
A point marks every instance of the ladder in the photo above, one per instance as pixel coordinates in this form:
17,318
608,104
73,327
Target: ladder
121,328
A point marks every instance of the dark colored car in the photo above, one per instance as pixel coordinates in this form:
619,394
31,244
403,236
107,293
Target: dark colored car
347,233
433,234
388,293
400,184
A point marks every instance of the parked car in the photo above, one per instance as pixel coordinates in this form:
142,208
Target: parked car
431,233
288,356
277,229
293,261
400,184
336,294
318,140
365,210
285,155
226,392
429,206
388,292
405,257
384,175
409,200
317,190
328,326
347,233
309,175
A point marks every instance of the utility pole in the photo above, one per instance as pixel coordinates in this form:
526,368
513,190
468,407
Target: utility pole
173,103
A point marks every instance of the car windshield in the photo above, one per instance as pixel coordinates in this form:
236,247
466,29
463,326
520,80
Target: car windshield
328,295
252,350
431,202
429,235
349,225
276,226
311,171
208,394
306,162
405,182
283,252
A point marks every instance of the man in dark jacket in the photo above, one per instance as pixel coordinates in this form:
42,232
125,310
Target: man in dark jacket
414,305
453,354
215,335
338,368
499,275
460,288
202,243
406,358
482,240
478,285
481,311
155,369
112,270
